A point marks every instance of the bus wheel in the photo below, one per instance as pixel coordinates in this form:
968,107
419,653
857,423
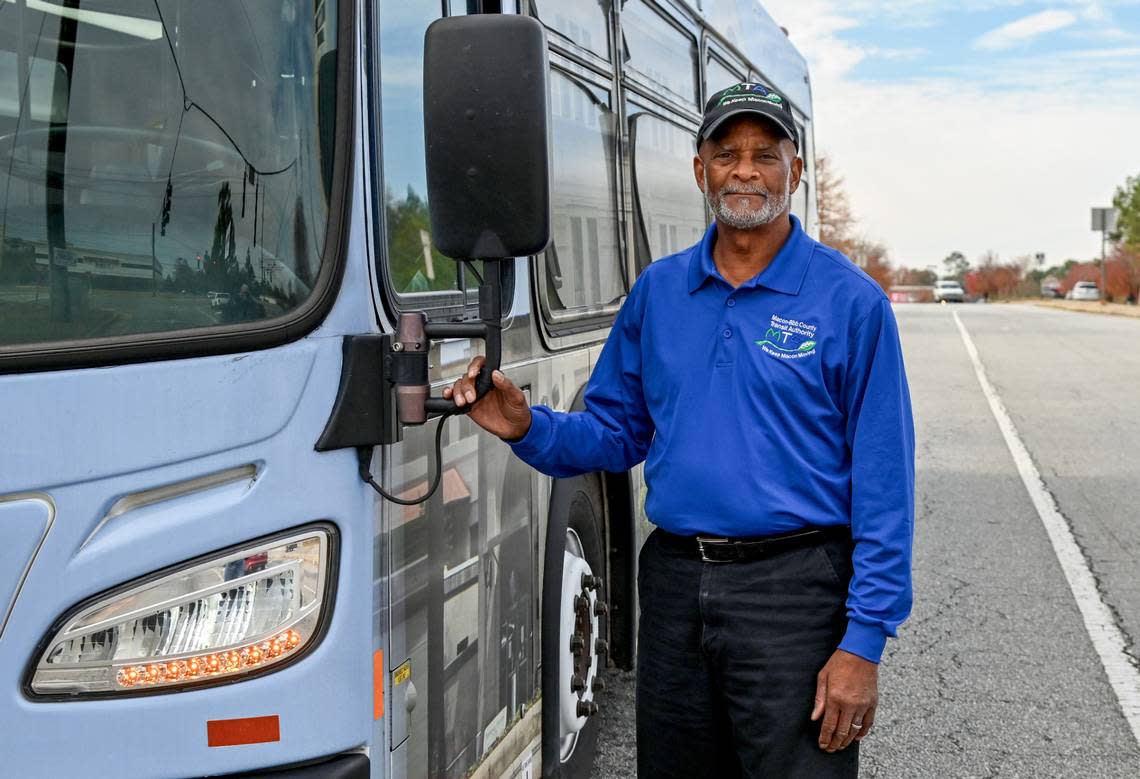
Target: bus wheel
581,628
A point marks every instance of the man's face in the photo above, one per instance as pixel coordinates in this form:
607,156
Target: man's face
748,172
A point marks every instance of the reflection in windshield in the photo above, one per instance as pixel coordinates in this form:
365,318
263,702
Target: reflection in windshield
162,167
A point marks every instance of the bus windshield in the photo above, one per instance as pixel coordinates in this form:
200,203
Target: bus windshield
163,165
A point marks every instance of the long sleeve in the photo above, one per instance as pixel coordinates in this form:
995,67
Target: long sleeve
614,431
880,435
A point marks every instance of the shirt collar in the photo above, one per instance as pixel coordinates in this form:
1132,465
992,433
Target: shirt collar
785,273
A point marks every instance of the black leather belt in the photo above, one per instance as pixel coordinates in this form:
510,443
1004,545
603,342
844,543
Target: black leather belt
714,549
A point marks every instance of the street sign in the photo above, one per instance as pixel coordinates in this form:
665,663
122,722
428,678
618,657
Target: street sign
1104,220
1040,257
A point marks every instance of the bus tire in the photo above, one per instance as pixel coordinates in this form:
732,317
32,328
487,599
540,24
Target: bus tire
572,657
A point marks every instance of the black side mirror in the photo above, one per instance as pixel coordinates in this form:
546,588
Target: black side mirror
488,176
485,127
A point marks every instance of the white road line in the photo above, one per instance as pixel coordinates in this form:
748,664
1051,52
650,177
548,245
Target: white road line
1106,636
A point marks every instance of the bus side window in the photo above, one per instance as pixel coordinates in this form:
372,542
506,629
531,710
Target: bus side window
655,51
719,76
584,22
582,271
413,264
670,208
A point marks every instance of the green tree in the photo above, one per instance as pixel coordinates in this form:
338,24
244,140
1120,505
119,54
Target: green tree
407,219
247,270
220,263
1127,205
955,265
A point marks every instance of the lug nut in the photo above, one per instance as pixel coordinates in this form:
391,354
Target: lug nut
600,608
577,643
581,603
601,646
577,683
591,582
599,684
587,708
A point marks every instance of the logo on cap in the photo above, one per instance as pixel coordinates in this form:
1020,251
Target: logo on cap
748,91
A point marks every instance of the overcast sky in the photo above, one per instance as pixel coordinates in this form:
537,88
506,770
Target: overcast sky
974,125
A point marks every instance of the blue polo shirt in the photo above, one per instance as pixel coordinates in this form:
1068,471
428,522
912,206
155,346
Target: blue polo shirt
777,405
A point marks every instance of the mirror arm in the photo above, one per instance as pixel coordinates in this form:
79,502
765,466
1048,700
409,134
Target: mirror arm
406,366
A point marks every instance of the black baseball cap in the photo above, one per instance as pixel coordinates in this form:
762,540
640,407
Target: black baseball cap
748,98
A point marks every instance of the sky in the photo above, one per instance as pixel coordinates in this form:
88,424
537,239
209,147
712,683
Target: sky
974,125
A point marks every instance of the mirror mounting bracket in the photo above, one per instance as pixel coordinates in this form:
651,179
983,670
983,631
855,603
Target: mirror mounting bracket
406,366
385,384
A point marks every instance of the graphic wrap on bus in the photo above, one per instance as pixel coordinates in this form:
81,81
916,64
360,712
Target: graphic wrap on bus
198,202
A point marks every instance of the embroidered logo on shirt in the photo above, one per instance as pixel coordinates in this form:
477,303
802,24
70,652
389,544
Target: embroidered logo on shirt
788,339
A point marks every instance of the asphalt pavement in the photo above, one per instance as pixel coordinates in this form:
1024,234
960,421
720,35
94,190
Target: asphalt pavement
994,674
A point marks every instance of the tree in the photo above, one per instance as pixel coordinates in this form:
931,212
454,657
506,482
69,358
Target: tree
835,218
220,263
872,258
836,225
1123,273
1127,205
913,277
994,279
955,265
407,222
247,269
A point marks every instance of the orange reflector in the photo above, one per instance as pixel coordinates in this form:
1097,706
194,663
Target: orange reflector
377,685
248,730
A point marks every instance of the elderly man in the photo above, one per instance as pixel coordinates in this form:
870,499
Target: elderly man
759,375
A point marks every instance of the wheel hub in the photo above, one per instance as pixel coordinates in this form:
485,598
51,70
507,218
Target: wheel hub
580,645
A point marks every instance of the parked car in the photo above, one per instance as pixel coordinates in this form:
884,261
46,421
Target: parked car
948,291
1084,290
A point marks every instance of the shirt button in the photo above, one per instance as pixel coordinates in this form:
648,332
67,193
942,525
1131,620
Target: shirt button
731,302
727,333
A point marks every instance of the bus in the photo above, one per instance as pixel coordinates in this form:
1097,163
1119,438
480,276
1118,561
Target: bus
201,206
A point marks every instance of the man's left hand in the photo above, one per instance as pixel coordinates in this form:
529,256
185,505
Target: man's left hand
846,694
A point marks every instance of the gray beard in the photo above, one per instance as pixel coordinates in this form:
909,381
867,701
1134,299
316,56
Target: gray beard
749,218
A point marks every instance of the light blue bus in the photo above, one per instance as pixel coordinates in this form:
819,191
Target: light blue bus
203,207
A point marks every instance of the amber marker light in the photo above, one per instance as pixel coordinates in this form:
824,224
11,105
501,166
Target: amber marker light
213,664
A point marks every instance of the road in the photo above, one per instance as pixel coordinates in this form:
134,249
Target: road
995,674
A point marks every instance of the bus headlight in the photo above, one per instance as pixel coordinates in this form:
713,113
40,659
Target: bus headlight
232,614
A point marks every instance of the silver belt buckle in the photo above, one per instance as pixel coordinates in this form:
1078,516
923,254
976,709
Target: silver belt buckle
701,548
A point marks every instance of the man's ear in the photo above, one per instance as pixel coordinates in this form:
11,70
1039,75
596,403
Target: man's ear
797,172
699,172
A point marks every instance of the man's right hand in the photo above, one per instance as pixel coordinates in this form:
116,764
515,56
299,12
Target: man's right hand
502,411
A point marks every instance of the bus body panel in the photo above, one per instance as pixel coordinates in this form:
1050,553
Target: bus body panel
317,699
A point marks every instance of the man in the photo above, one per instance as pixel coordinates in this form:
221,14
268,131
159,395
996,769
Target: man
760,377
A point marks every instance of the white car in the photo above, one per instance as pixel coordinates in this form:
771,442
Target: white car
949,291
1084,290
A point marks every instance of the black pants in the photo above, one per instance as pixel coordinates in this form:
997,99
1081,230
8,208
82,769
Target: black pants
727,660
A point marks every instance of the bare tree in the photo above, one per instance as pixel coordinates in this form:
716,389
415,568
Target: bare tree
835,218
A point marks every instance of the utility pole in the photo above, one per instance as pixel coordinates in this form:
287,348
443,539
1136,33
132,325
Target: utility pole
1104,220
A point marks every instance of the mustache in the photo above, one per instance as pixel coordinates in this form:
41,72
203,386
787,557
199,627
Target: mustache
744,189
